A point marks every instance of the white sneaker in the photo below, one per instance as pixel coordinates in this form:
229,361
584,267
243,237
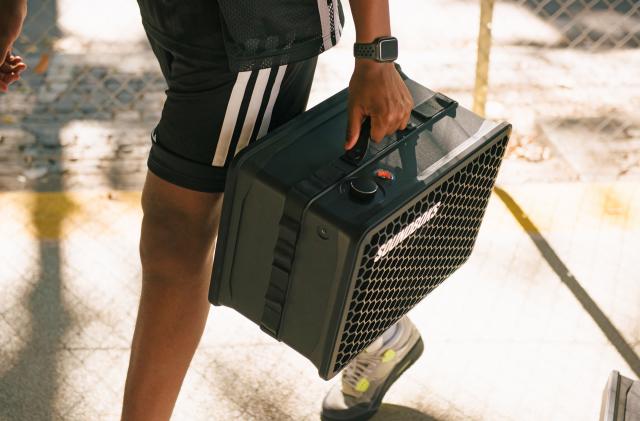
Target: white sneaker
368,377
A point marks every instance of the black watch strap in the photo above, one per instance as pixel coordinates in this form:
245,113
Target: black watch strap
364,50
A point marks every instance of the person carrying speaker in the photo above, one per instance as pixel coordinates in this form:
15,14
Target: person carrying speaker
236,69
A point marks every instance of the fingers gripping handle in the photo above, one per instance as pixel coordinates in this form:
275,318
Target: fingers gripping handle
356,154
427,112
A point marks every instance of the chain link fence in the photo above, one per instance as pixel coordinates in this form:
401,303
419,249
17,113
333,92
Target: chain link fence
592,25
564,72
91,78
577,93
81,115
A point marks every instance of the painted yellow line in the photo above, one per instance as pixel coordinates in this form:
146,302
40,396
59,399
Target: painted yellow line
554,207
612,333
565,208
50,216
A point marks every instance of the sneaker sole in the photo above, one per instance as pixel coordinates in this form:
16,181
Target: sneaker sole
408,360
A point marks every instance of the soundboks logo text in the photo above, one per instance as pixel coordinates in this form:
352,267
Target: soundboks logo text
407,231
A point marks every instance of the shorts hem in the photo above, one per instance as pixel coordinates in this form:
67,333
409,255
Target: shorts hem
181,172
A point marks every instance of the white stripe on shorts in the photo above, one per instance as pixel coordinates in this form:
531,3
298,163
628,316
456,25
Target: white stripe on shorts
325,22
336,20
230,119
275,91
254,109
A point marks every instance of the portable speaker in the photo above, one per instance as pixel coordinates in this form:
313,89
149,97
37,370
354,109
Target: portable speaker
326,250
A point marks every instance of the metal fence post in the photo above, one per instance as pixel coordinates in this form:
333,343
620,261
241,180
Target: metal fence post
484,52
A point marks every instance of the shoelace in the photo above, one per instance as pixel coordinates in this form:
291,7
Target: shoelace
361,367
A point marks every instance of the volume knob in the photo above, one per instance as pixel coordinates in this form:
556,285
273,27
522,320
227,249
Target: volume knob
363,188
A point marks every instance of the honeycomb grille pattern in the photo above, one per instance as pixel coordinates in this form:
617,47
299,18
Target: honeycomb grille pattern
389,285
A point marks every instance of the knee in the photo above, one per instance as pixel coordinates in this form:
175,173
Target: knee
177,240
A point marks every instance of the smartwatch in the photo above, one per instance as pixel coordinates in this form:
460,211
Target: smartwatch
383,49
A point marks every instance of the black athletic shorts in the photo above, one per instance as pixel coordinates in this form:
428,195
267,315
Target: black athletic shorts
211,113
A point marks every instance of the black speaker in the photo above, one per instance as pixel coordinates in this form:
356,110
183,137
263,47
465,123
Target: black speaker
326,250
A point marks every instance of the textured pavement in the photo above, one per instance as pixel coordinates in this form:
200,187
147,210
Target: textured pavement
505,338
516,334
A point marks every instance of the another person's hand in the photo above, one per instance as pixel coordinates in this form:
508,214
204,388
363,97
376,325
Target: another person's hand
12,15
377,90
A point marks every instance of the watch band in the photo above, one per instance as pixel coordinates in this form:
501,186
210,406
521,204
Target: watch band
365,50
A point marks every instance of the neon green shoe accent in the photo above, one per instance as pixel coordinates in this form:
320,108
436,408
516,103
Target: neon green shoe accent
389,355
362,385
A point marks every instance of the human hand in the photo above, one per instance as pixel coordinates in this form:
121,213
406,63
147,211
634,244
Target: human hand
12,15
378,91
10,71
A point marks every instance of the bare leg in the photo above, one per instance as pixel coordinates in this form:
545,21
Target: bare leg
178,233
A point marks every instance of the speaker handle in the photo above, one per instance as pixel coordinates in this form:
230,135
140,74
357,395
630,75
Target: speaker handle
356,154
428,112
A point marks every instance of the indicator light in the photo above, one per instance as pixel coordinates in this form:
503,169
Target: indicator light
384,174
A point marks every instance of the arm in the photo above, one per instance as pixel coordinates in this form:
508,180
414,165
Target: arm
12,15
376,89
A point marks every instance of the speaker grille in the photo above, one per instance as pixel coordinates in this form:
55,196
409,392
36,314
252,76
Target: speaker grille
403,262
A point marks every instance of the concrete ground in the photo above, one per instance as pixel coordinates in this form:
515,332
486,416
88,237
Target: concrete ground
528,329
507,338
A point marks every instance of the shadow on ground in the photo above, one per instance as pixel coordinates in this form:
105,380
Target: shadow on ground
390,412
29,388
612,333
31,384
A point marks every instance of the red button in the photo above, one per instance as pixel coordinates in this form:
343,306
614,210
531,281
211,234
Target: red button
384,174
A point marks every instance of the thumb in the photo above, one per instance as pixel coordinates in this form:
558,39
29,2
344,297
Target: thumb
353,126
4,55
5,48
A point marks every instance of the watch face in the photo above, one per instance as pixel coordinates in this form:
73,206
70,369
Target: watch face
389,49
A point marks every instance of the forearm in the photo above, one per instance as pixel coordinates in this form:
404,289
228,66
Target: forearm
12,14
371,19
376,89
12,9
